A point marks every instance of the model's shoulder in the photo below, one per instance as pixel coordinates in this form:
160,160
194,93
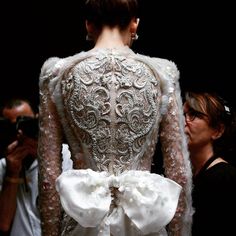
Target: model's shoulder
170,68
162,66
53,66
48,65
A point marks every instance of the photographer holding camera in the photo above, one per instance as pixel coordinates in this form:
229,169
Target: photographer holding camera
19,213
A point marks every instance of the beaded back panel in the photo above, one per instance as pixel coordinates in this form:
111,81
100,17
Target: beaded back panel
111,104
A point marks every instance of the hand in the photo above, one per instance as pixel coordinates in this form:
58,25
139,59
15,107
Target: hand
17,151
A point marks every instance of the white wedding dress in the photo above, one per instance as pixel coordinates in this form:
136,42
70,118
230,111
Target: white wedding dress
111,105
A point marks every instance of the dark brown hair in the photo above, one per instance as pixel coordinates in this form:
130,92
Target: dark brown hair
110,12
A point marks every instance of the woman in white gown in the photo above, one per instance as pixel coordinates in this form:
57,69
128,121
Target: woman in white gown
111,105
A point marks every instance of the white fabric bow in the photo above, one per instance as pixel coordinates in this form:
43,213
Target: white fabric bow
149,200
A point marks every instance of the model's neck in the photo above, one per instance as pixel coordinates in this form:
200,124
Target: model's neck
111,38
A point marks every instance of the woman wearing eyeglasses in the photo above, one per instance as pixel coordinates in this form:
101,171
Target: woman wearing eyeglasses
209,124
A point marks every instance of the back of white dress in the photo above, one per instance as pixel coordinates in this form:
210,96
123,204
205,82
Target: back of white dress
110,105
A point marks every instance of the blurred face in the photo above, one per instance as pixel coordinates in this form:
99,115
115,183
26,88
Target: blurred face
197,129
22,110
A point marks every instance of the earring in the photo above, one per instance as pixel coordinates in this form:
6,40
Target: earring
134,36
89,37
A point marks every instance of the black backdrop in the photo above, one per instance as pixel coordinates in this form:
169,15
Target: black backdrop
198,37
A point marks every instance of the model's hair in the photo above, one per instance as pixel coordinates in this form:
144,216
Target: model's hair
110,12
218,113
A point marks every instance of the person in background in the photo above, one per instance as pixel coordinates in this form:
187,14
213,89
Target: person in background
111,104
19,213
210,126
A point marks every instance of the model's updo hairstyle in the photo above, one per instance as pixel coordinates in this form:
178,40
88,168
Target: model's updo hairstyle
110,12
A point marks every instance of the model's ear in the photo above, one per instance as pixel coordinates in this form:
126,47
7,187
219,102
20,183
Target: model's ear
134,25
89,27
90,31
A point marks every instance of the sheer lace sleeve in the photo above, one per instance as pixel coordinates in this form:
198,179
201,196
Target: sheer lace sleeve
174,148
49,151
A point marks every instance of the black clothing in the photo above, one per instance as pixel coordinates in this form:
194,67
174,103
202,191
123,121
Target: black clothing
214,200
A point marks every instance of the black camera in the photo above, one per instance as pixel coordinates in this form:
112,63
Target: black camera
8,130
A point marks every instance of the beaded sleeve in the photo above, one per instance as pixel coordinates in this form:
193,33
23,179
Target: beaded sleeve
49,152
175,154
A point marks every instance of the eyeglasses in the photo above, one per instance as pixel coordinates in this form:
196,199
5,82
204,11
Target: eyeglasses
192,114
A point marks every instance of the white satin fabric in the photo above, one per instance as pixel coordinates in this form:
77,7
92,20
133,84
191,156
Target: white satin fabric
148,200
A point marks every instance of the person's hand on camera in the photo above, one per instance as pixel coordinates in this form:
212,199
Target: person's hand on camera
17,151
30,144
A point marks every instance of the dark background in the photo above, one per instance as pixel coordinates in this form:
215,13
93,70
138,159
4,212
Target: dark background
199,38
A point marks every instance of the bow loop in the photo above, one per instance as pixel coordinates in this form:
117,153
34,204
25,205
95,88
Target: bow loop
85,195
